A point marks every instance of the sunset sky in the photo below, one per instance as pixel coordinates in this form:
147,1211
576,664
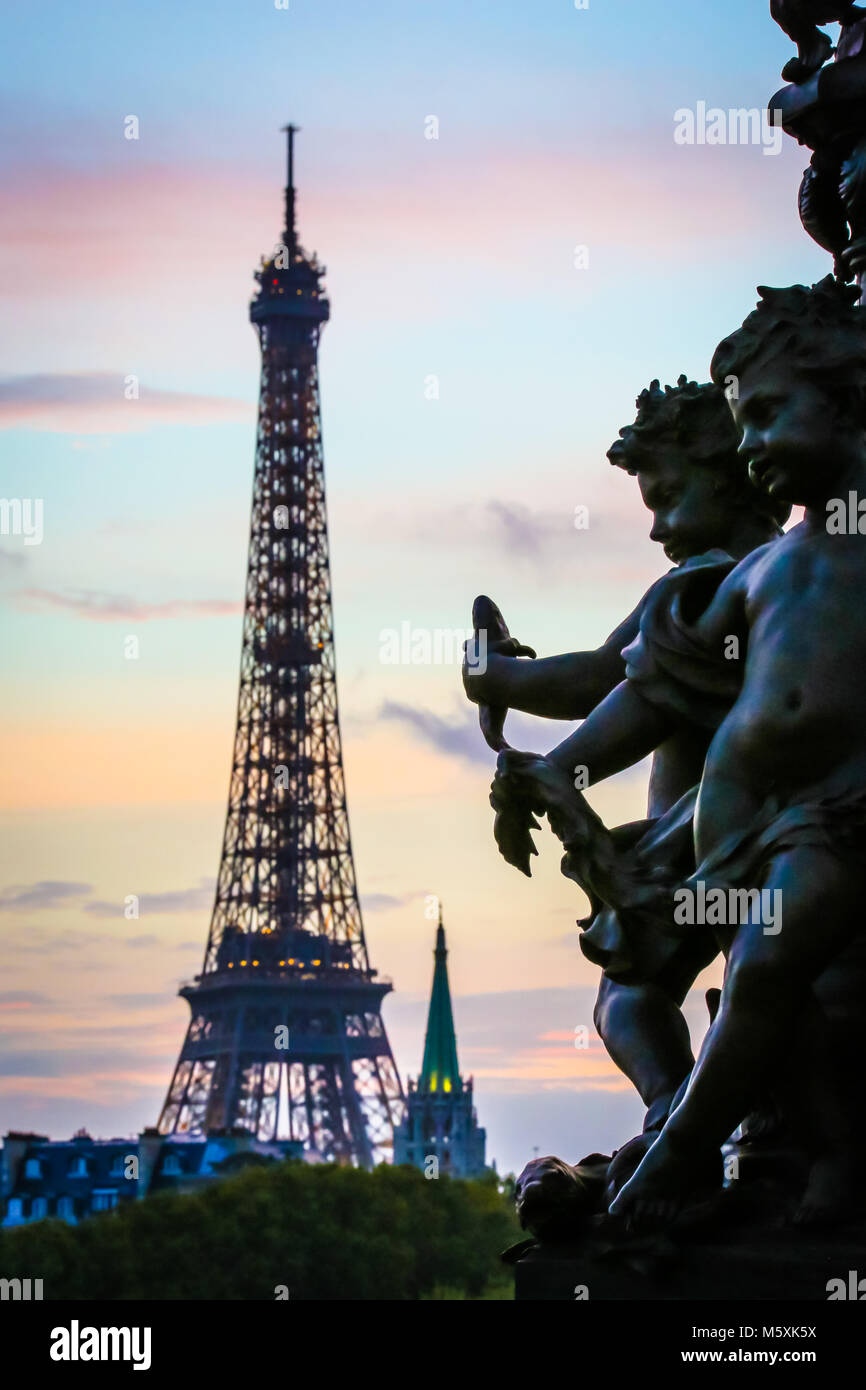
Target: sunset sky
452,257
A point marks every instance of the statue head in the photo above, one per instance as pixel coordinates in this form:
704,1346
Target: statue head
799,367
682,448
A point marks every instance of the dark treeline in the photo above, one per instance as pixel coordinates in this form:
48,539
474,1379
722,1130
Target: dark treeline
319,1232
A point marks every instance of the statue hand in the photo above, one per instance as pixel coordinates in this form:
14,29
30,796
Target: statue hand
491,638
484,679
526,785
536,780
514,817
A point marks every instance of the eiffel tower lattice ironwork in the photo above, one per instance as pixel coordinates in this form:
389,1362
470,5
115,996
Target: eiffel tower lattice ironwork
286,1038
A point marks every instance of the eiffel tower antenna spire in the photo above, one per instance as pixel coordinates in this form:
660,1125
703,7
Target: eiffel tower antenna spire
290,233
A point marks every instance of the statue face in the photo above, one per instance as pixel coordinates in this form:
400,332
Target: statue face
691,514
796,439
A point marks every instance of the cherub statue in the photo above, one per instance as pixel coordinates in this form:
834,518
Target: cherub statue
781,807
682,449
782,803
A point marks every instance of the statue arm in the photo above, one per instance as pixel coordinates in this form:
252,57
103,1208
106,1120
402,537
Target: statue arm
626,726
621,731
555,687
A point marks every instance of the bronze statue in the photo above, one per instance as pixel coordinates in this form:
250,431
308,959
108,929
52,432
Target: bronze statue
782,804
825,109
781,810
800,20
742,672
682,448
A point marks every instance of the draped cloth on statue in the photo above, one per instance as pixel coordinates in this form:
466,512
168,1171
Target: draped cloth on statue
667,662
674,670
636,939
825,819
631,932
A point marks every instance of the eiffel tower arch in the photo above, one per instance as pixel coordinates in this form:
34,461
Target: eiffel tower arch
286,1038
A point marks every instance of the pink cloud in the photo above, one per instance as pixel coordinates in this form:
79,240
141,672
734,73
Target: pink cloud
66,230
96,403
196,230
109,608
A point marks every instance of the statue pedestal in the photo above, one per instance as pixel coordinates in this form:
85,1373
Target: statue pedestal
792,1265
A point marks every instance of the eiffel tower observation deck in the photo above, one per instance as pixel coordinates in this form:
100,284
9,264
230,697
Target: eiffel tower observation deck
286,1039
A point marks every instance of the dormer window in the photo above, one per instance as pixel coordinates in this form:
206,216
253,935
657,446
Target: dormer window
32,1168
78,1168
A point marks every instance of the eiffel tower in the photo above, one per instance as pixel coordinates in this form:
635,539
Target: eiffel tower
286,1039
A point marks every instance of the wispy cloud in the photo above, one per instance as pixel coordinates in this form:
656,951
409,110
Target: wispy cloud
36,897
385,902
50,944
29,1064
145,1000
457,736
111,608
12,560
525,531
106,403
495,523
197,899
51,894
21,999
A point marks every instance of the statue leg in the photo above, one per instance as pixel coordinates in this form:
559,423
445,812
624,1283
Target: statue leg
841,994
765,1003
645,1034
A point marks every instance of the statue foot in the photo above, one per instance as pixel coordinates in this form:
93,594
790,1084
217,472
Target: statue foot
668,1179
831,1191
554,1199
625,1161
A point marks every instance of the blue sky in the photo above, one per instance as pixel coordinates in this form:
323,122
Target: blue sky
452,257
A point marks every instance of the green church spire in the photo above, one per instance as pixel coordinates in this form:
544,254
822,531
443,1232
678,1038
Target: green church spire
439,1072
